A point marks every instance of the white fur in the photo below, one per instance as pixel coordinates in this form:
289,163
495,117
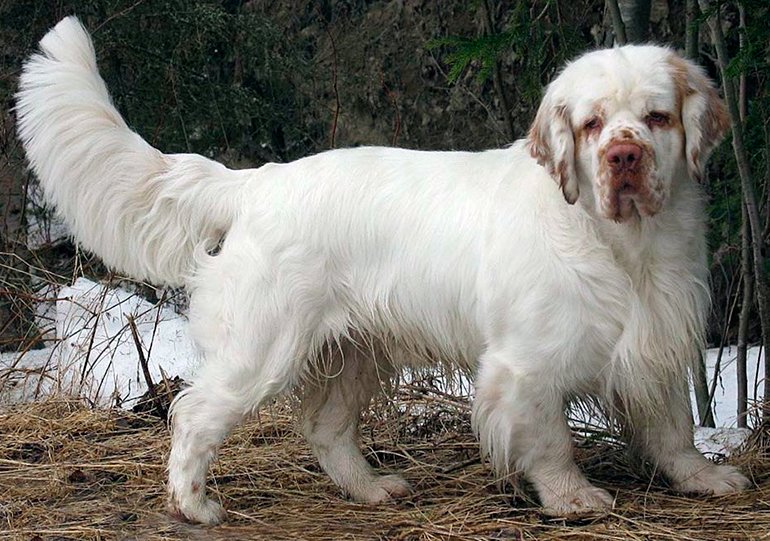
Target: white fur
384,257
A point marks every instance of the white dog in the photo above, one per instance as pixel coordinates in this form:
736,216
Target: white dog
392,257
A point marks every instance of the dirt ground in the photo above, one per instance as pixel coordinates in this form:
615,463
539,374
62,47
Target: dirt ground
71,472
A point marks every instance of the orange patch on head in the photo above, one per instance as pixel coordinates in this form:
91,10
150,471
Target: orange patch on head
682,89
718,120
689,81
538,145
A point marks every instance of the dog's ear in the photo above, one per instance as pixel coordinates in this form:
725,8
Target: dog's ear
552,143
704,116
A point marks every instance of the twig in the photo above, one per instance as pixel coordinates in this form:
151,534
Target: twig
116,15
145,369
97,317
335,118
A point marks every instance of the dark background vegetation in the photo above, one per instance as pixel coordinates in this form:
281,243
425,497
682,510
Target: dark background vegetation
246,82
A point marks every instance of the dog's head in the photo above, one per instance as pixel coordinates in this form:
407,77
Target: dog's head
625,123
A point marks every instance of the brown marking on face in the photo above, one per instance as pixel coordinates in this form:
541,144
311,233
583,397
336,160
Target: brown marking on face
682,90
561,173
675,123
679,74
625,194
537,143
195,487
577,135
695,156
582,132
715,120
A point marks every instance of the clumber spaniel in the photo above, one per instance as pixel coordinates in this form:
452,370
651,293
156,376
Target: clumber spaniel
338,270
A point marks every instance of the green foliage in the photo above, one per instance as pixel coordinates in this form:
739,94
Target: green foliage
531,44
207,76
465,51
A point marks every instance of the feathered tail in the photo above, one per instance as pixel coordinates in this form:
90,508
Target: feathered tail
143,212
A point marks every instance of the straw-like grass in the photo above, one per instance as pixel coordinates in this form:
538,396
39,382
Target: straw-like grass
70,472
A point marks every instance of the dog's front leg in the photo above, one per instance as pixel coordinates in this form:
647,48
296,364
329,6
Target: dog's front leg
665,437
519,418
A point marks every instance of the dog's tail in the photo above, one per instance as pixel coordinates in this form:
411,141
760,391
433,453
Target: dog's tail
145,213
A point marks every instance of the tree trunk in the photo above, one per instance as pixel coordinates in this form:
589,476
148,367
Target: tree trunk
691,30
703,395
700,379
746,272
617,22
636,15
12,235
743,321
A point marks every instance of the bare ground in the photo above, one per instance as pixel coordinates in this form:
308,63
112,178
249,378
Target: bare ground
71,472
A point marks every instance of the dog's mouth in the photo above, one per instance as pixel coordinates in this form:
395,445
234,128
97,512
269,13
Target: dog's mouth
624,204
629,203
631,190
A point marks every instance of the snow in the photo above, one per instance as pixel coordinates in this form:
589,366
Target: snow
720,441
94,355
91,354
726,392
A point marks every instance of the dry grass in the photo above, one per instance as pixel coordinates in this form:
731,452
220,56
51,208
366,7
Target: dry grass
69,472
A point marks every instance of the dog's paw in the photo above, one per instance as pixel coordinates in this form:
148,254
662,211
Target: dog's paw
382,489
714,480
582,501
202,511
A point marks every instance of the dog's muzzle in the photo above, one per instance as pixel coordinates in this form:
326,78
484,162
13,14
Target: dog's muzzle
630,189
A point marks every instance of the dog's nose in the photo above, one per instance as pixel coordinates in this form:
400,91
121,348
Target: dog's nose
624,156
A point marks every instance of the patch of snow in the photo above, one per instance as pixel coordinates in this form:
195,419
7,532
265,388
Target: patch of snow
720,442
25,376
96,356
725,403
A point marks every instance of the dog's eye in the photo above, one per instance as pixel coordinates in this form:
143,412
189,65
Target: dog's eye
657,118
592,124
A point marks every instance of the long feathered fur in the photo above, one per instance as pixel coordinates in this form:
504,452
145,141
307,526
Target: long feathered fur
474,259
143,212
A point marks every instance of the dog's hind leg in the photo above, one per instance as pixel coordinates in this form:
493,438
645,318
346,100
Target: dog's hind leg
200,421
202,416
255,344
332,402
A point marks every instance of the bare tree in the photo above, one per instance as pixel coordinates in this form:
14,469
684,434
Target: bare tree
636,16
746,271
691,29
12,235
617,22
754,227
